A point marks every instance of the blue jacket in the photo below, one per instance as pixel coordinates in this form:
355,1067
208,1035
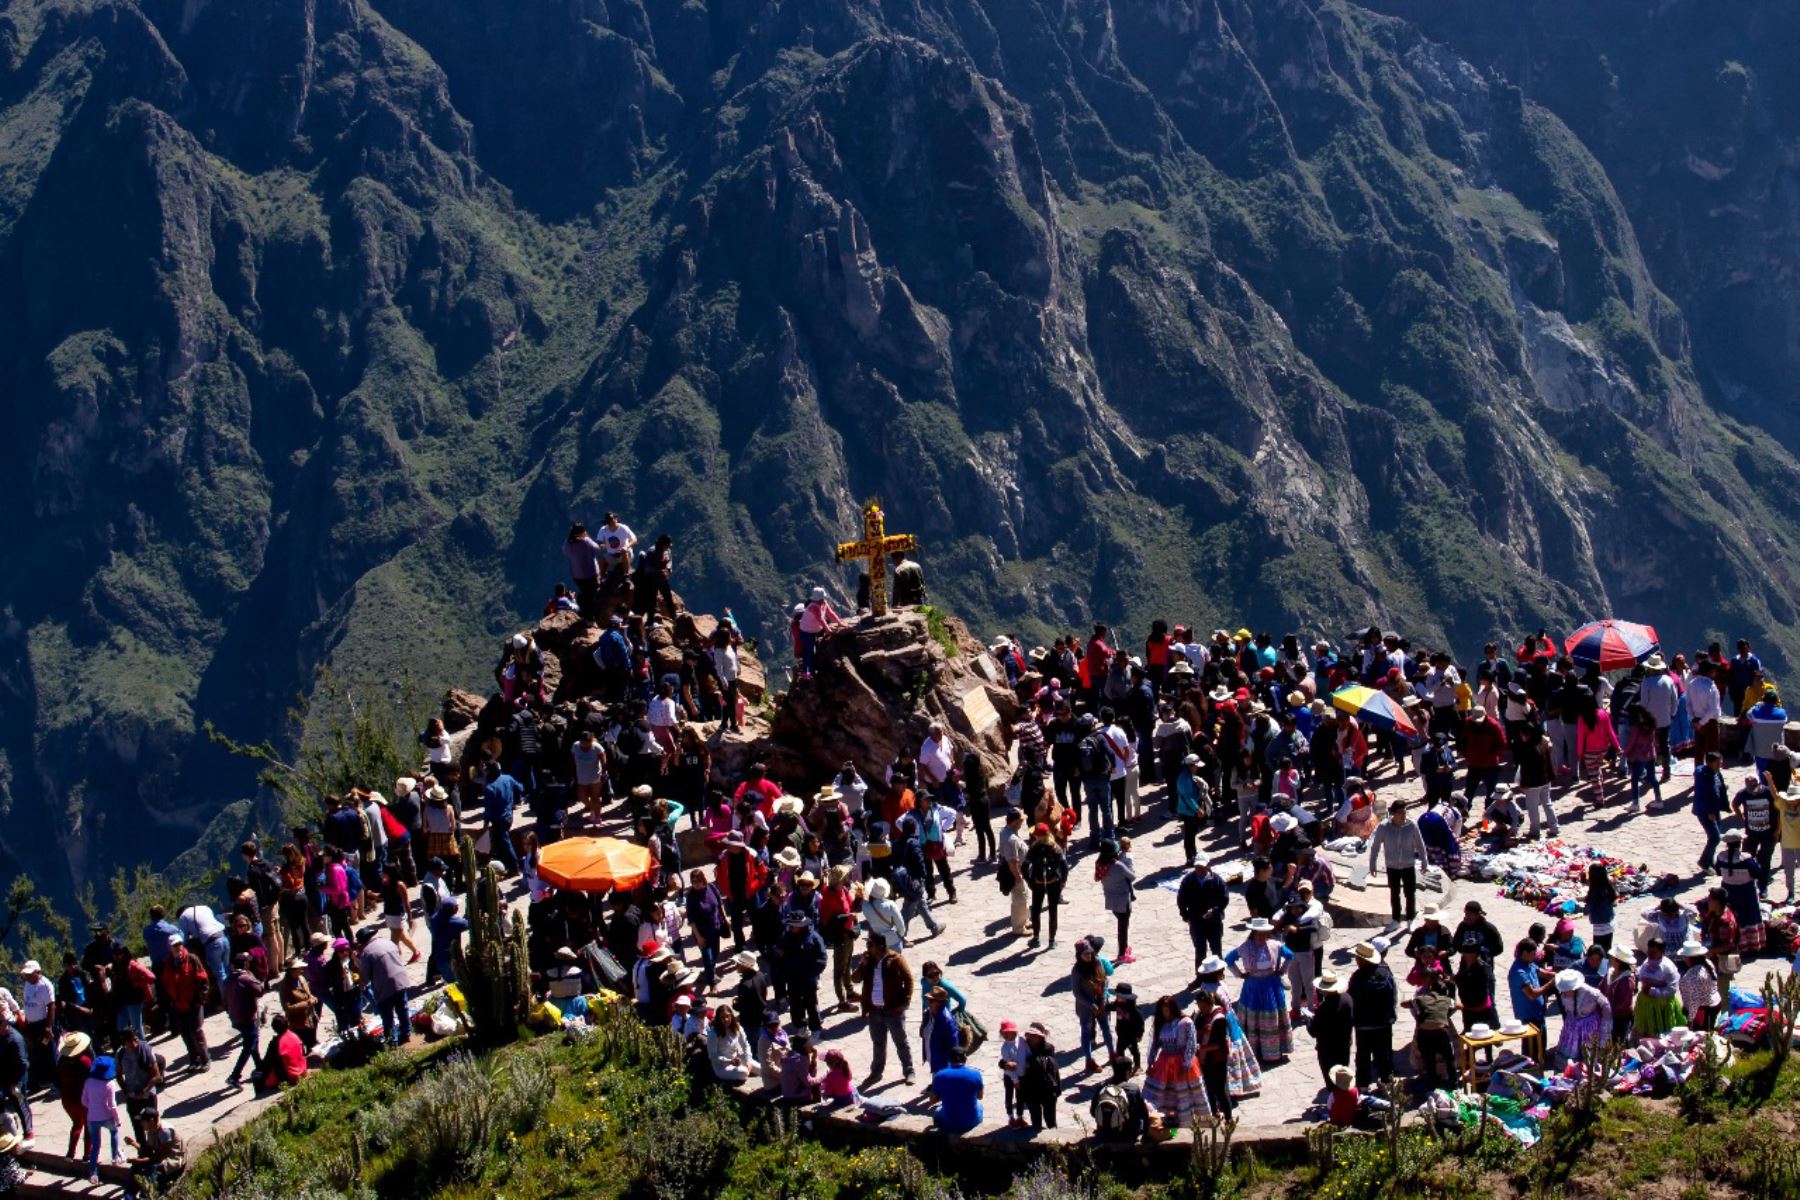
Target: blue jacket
498,799
614,651
1187,796
1711,799
158,937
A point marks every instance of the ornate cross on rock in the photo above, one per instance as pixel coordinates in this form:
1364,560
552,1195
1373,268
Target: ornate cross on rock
875,546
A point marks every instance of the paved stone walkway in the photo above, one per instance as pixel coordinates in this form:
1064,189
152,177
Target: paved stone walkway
1004,978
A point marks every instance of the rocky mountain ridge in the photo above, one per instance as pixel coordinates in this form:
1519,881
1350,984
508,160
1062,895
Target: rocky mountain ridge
329,315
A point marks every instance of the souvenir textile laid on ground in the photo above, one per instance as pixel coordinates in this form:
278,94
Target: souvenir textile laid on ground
1552,876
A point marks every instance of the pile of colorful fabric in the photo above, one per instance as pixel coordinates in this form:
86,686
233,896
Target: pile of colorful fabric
1517,1120
1552,876
1745,1021
1783,928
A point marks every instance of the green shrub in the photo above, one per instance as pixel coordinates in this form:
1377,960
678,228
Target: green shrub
685,1159
444,1127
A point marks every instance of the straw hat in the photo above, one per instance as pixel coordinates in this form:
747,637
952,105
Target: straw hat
1366,952
1621,955
788,806
806,879
1429,912
73,1045
9,1142
1656,662
744,961
1219,695
1332,982
789,858
1341,1077
1691,949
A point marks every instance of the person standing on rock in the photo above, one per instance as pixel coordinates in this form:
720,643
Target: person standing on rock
909,581
582,553
817,619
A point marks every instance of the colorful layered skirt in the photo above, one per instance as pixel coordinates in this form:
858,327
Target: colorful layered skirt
1243,1074
1263,1011
1176,1091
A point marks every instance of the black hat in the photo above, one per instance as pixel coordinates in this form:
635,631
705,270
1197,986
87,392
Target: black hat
1124,991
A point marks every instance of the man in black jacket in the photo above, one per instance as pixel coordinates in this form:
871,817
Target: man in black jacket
1374,1006
1201,902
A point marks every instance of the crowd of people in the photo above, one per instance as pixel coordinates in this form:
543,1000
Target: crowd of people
796,906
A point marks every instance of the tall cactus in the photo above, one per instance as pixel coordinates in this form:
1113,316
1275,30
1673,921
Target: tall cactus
494,971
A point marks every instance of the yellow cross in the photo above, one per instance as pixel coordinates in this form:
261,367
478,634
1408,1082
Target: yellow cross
875,547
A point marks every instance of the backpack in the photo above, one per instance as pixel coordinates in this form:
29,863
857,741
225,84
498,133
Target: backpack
391,825
1096,763
1044,1074
266,884
1112,1110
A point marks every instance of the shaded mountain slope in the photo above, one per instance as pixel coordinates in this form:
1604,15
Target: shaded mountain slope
330,314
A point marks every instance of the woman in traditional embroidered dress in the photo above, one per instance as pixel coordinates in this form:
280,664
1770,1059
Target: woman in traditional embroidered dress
1587,1015
1172,1084
1242,1071
1262,1004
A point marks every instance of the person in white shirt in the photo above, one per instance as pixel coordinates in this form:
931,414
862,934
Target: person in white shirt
936,757
723,656
664,714
1704,709
616,541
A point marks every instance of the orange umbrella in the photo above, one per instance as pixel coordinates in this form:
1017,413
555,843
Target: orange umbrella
595,864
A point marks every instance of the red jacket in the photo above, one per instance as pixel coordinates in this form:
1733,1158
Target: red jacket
771,792
184,982
833,902
1483,742
754,872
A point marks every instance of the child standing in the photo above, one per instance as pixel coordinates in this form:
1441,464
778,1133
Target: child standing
1012,1069
1602,904
100,1096
1128,1024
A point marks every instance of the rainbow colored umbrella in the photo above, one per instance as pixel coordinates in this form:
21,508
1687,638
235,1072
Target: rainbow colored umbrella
1611,645
1377,708
595,864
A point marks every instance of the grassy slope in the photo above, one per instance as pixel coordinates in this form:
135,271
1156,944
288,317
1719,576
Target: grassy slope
344,1131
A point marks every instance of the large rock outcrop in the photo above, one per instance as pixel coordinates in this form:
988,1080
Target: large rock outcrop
878,687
